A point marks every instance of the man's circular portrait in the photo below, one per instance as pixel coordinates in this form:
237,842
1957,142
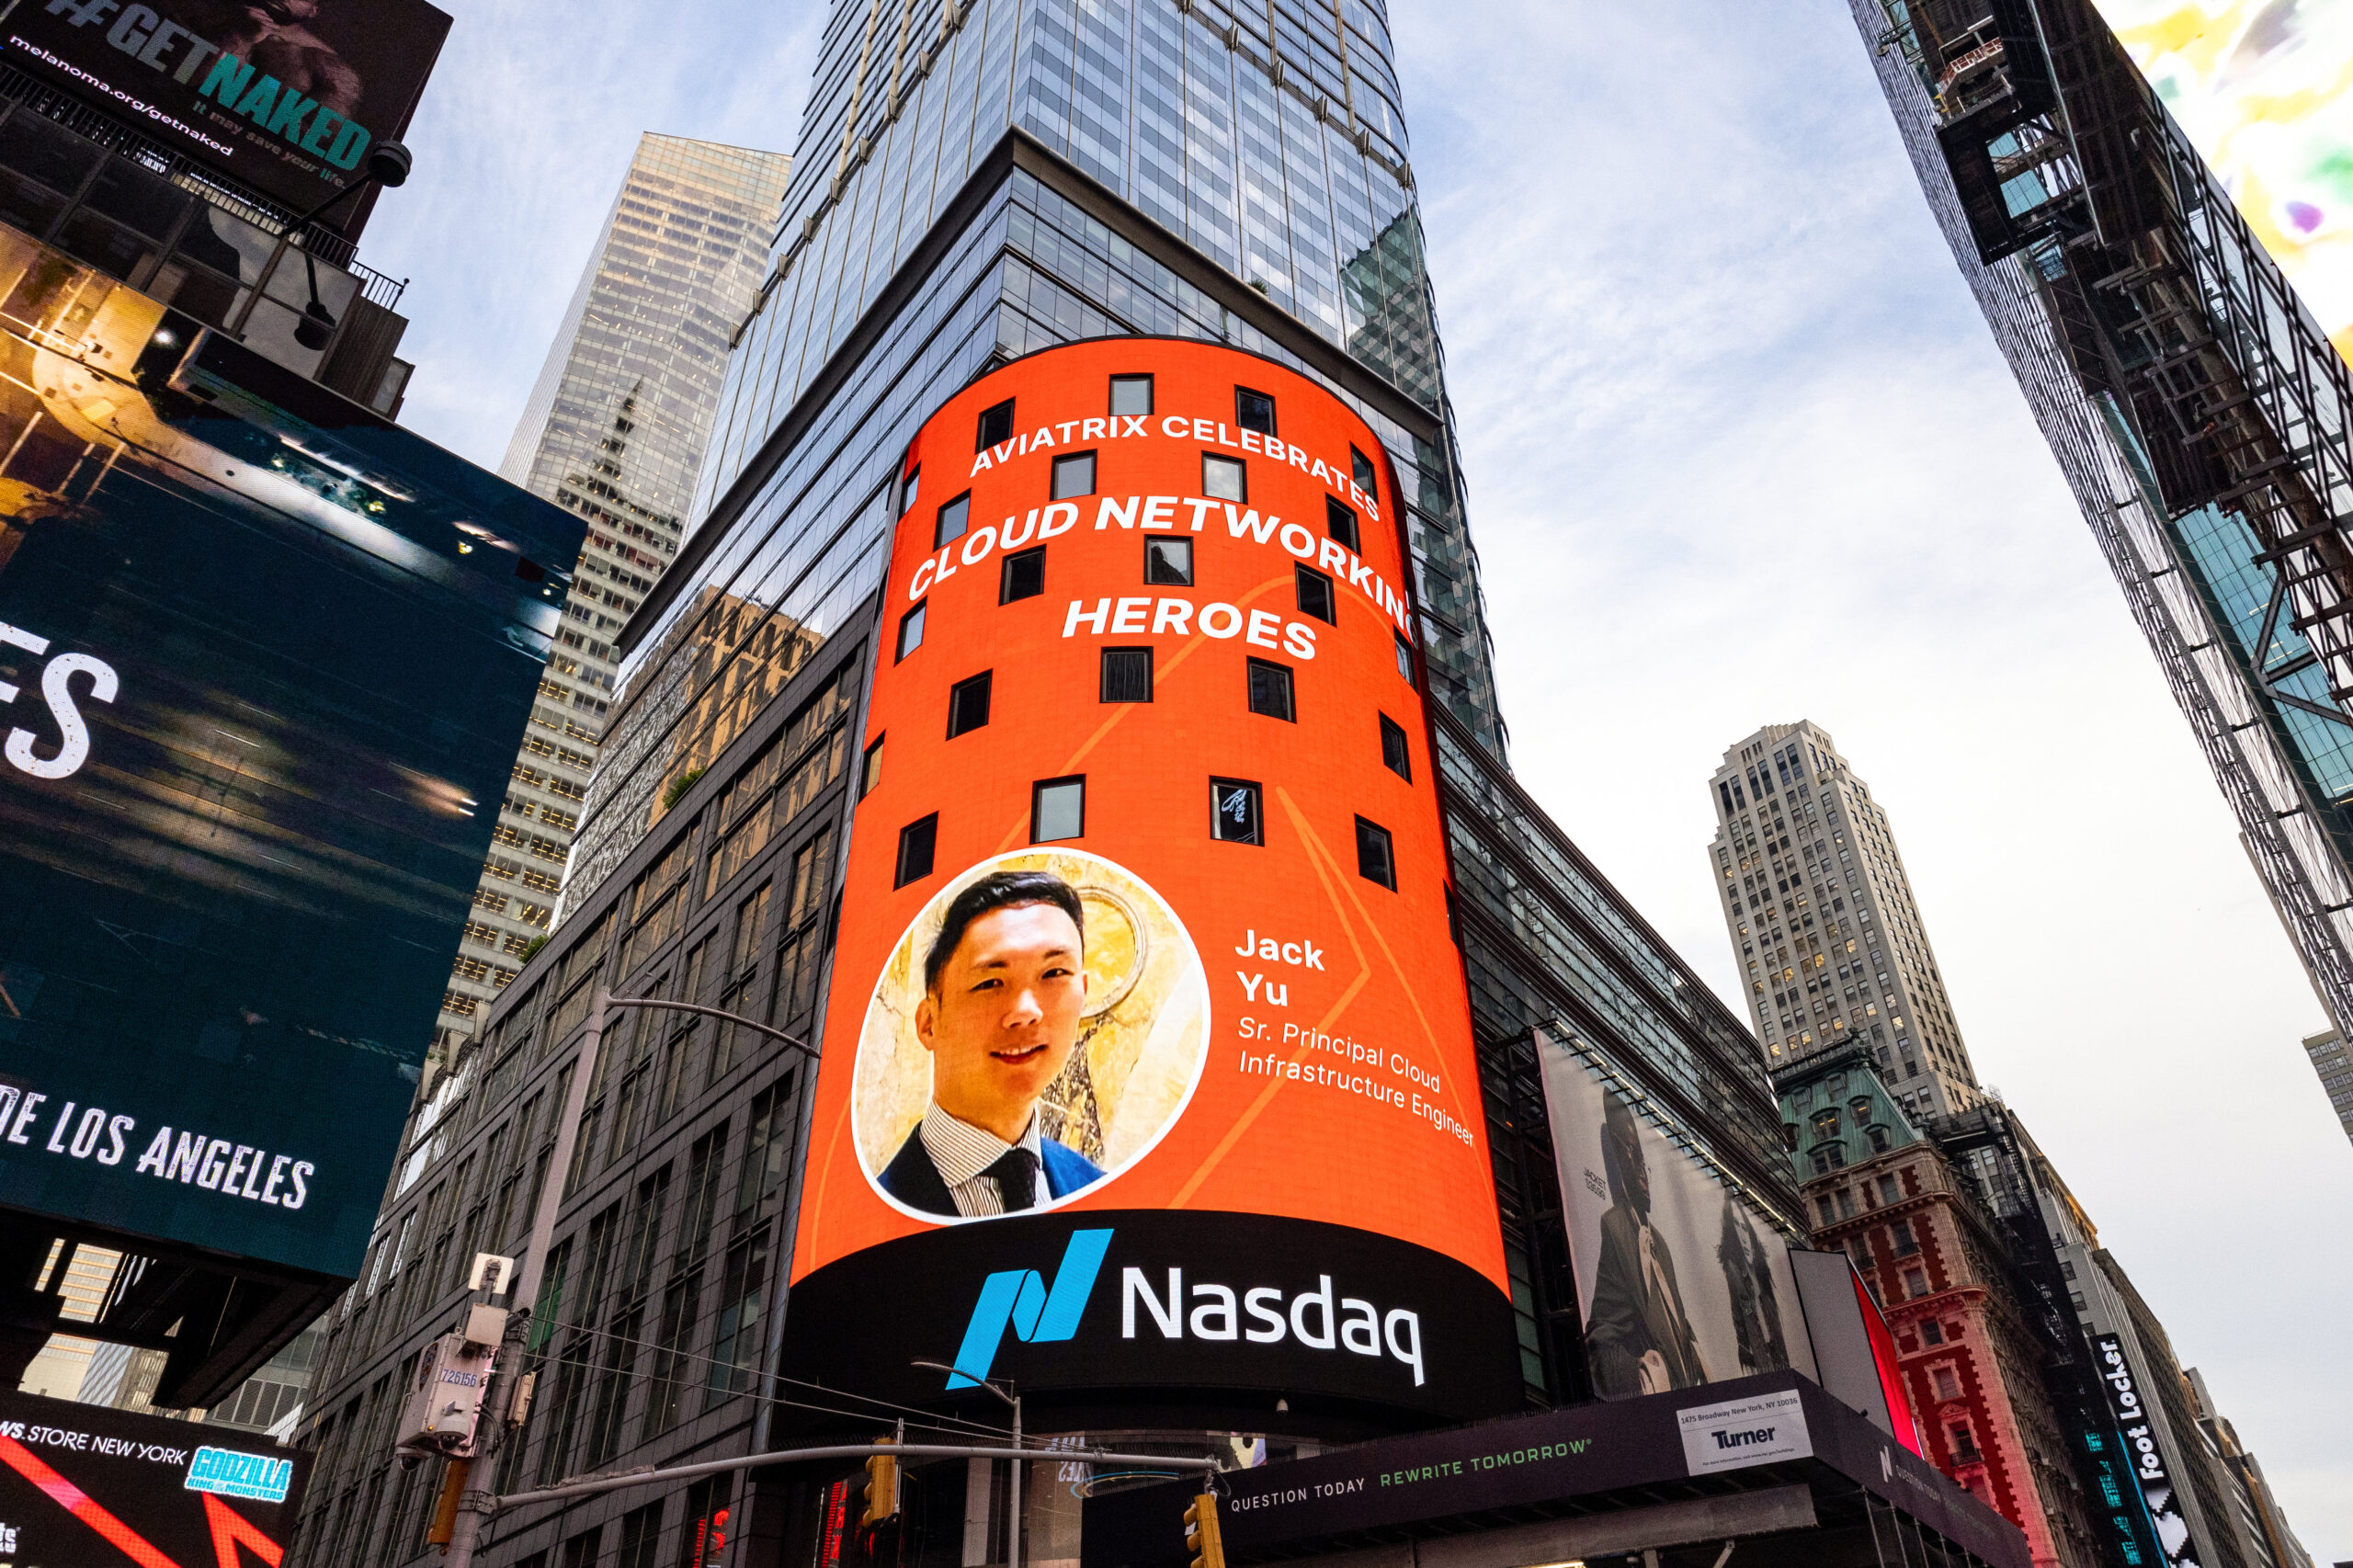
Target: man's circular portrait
1036,1030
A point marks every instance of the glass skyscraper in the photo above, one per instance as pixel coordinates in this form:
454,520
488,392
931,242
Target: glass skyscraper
947,211
615,431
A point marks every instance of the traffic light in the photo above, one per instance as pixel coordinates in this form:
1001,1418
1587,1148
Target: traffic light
1201,1538
881,1489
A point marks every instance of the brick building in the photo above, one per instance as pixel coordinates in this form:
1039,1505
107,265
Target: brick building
1877,1188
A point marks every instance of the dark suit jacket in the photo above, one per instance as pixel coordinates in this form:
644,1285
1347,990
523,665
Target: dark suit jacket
1628,1320
914,1180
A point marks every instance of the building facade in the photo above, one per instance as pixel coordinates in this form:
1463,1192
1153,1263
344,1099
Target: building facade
2330,1060
659,1308
2196,409
1883,1192
1831,946
973,181
614,431
2260,1517
2181,1481
2045,1384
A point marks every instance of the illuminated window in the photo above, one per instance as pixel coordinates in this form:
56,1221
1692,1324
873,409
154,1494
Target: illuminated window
1168,561
1131,394
1023,576
1254,411
1073,475
1376,855
1368,480
968,704
910,632
916,842
1126,674
1270,690
1340,523
1224,479
1397,754
1315,595
1057,809
1233,811
872,774
953,520
995,426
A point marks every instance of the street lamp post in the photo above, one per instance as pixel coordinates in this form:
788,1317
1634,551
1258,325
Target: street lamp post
388,166
477,1504
1012,1543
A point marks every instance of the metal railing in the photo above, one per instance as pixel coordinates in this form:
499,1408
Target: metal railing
92,124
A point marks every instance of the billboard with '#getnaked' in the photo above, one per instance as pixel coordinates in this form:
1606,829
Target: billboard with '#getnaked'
286,98
1148,1060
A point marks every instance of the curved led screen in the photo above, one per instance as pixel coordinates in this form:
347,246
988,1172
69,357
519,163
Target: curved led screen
1148,1056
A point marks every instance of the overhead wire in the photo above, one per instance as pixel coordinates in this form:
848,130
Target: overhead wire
591,1364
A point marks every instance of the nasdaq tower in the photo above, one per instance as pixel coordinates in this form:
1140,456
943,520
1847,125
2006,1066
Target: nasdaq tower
975,184
981,180
977,181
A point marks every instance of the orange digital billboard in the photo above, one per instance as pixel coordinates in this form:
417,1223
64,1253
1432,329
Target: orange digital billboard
1148,1056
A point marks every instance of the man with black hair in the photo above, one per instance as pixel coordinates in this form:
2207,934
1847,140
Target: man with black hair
1638,1337
1004,987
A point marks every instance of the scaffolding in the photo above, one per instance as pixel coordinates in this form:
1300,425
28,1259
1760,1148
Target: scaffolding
2186,391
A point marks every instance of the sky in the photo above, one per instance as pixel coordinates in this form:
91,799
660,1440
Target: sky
1740,451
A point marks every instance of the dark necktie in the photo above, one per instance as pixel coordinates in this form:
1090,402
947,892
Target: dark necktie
1016,1178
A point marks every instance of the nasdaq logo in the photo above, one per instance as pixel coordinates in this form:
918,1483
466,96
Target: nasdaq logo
1036,1311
